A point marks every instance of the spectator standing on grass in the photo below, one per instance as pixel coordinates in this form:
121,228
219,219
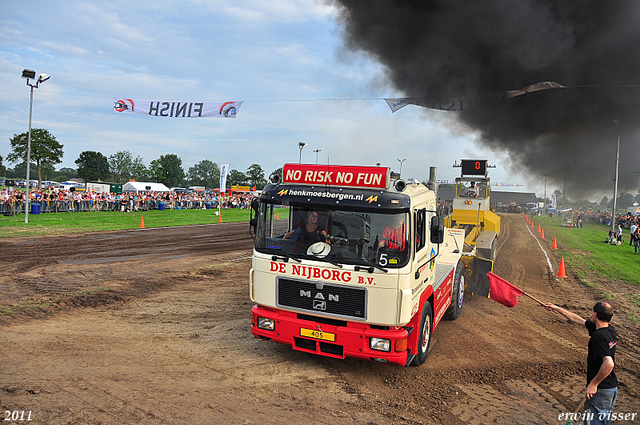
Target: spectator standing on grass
632,230
619,235
602,383
636,240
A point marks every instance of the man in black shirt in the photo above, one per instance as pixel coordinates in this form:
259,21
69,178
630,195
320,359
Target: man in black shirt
602,383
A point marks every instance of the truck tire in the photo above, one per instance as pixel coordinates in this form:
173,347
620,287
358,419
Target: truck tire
457,294
424,339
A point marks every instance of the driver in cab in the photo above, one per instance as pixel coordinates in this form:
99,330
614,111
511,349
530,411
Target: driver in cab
394,235
472,190
310,231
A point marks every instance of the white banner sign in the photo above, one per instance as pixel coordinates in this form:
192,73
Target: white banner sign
177,109
224,170
459,104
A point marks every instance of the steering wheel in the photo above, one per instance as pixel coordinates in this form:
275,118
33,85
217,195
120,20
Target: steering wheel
391,241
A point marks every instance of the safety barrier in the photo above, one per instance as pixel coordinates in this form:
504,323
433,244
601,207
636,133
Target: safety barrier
55,206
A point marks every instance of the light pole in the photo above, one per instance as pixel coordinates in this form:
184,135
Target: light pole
545,196
30,74
401,161
301,146
316,151
615,187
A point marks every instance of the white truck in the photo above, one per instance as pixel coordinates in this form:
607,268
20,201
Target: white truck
351,261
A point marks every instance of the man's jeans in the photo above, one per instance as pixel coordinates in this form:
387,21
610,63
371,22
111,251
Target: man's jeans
600,407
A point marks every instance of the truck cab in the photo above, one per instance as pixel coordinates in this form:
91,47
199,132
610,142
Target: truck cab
352,262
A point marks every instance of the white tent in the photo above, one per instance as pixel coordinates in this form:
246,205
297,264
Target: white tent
143,186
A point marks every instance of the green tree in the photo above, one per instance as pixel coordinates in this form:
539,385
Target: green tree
168,170
92,166
204,173
44,149
64,174
120,165
19,171
139,171
125,167
3,169
236,177
625,202
255,176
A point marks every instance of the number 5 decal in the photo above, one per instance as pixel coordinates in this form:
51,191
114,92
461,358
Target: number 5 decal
383,260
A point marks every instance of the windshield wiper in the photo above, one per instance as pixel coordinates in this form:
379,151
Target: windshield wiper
283,254
335,263
370,268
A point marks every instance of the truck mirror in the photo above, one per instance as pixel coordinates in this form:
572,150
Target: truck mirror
255,204
437,229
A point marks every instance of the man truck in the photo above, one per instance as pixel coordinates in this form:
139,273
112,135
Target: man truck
352,261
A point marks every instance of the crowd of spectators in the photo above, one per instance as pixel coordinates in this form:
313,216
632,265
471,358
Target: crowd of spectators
61,200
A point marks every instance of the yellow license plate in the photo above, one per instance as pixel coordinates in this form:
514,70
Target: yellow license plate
325,336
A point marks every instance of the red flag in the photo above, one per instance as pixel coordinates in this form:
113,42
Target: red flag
502,291
254,188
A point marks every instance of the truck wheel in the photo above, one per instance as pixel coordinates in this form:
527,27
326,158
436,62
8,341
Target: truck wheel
424,340
457,294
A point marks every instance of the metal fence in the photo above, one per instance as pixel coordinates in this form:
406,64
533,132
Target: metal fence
55,206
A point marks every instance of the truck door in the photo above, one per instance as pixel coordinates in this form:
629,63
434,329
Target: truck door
421,253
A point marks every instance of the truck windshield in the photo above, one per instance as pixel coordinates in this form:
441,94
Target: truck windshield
336,236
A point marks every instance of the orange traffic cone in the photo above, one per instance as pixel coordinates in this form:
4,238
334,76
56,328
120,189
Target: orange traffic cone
541,233
220,217
277,216
555,245
532,224
561,271
142,222
539,228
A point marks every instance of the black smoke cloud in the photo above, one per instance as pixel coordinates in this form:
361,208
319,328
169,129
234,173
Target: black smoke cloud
471,49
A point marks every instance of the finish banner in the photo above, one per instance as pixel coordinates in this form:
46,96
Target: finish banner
177,109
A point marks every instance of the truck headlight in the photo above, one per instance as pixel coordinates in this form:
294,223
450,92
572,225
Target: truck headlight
266,324
380,344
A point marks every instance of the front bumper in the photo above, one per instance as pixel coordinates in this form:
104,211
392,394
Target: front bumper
350,339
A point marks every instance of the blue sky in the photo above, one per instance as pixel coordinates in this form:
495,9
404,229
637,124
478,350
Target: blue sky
284,59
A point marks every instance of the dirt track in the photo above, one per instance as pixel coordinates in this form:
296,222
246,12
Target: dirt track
152,326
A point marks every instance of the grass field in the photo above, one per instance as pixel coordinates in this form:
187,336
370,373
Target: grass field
583,248
588,254
64,223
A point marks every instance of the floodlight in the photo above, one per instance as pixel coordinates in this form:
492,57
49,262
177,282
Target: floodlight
29,73
43,77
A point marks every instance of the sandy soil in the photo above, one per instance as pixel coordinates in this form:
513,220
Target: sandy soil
152,327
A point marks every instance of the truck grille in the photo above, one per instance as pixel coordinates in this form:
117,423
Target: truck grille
322,298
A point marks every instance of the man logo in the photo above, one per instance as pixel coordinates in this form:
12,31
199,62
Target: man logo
319,300
319,305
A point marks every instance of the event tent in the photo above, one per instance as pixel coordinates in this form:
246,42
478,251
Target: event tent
143,186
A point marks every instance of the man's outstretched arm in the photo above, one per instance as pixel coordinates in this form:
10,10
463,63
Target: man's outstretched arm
566,313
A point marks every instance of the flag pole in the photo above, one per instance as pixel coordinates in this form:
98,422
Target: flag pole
533,298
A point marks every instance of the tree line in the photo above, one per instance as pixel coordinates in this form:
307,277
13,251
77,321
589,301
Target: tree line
119,167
